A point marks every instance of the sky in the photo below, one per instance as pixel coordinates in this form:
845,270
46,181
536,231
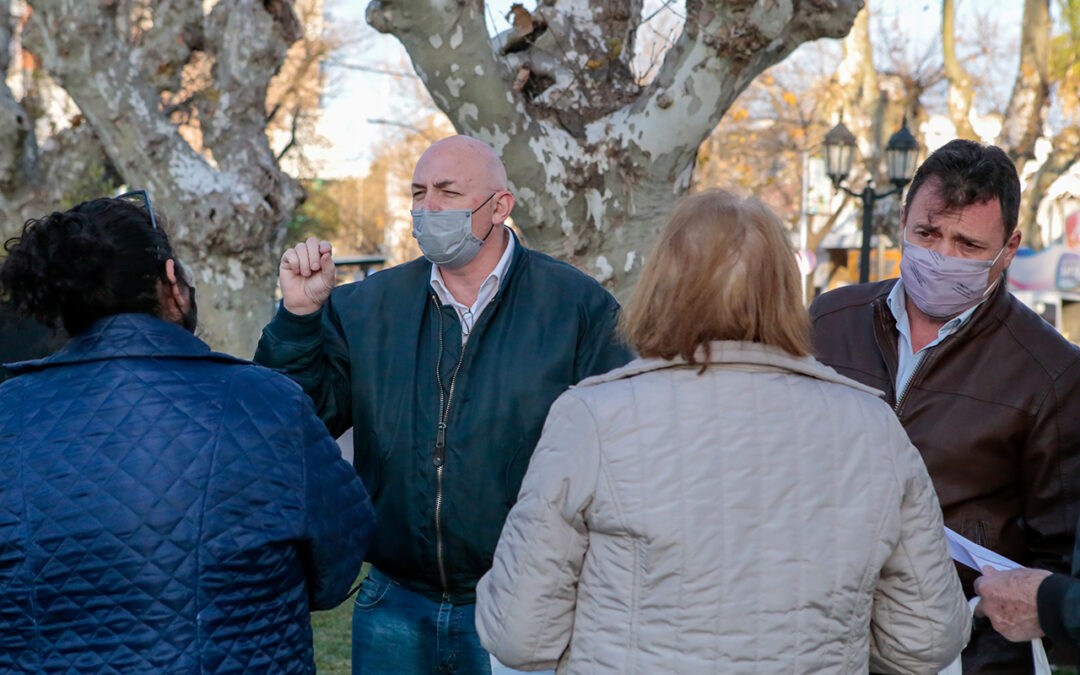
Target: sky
363,107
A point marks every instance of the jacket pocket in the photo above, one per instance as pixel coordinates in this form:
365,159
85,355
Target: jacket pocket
371,592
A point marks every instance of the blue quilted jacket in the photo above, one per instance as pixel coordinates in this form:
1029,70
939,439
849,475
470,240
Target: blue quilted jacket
167,509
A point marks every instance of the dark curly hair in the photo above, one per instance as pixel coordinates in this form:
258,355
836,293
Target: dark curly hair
100,258
965,172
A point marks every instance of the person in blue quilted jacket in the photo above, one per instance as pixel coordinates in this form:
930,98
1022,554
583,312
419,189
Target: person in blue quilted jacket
163,508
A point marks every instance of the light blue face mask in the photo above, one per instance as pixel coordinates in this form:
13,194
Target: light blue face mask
446,238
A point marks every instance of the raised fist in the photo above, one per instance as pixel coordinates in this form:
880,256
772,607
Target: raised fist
307,276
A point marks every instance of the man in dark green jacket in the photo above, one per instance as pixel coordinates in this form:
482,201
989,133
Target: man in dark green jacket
445,367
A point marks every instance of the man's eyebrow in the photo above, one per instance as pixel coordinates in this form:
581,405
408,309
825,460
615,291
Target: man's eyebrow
441,184
966,239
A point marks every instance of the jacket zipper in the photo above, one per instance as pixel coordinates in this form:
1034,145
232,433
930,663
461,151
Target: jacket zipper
440,446
907,385
923,359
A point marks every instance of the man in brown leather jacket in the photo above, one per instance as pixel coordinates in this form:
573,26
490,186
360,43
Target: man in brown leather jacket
988,392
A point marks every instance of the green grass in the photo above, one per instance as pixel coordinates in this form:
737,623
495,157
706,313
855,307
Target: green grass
333,639
333,636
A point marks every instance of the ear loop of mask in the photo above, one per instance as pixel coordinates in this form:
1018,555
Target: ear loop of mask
991,286
482,206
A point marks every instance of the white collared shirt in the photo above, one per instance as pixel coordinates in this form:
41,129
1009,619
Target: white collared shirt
488,289
909,361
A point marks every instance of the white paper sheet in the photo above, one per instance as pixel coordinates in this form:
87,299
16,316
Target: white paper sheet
969,553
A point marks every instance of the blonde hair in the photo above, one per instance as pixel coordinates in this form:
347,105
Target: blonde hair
722,269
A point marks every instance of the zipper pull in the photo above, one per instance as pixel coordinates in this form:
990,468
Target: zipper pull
440,443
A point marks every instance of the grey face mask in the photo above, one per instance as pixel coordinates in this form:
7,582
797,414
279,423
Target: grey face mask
446,238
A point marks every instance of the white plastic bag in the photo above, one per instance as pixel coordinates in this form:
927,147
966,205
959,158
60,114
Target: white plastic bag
1038,654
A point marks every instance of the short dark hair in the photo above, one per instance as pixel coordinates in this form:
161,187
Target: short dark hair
75,267
965,173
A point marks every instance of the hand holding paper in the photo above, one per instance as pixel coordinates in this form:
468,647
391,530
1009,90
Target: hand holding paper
1008,592
1009,600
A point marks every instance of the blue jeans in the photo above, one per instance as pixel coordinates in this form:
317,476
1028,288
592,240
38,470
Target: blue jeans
399,632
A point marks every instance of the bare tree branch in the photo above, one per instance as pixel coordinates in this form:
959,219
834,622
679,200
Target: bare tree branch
961,94
292,135
1023,120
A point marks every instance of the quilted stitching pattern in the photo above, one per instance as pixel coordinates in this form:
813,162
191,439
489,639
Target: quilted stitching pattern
766,516
164,508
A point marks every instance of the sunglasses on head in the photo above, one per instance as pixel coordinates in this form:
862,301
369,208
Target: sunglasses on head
141,199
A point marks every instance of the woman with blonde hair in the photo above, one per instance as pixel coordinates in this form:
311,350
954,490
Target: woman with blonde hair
724,503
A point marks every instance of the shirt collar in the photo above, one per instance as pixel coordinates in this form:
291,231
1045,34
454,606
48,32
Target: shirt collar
490,285
897,301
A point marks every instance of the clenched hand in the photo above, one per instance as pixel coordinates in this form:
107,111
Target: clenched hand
306,276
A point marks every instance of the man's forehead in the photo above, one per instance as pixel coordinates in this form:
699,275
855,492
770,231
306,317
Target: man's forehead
437,168
979,219
462,159
442,181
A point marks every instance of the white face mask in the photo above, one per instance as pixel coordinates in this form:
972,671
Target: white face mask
942,286
446,238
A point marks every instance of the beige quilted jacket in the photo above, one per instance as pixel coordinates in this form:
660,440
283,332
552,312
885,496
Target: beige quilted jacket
767,516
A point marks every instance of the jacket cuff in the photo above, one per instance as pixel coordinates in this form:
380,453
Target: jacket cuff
289,327
1052,601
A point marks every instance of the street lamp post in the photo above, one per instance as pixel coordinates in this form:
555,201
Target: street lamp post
900,155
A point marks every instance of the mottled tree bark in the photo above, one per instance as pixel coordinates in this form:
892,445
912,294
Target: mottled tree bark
35,179
1065,153
596,159
226,201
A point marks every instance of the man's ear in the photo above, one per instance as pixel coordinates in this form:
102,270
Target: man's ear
173,291
503,206
1011,247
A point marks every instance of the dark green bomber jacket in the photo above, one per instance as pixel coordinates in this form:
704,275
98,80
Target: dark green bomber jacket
1058,603
368,360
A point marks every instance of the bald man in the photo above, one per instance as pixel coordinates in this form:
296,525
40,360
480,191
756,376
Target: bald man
445,367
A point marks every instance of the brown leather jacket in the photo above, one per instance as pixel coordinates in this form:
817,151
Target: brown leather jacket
994,409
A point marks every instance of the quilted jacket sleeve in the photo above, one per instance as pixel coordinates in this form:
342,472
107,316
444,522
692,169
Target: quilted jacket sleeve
920,620
311,349
339,519
525,604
